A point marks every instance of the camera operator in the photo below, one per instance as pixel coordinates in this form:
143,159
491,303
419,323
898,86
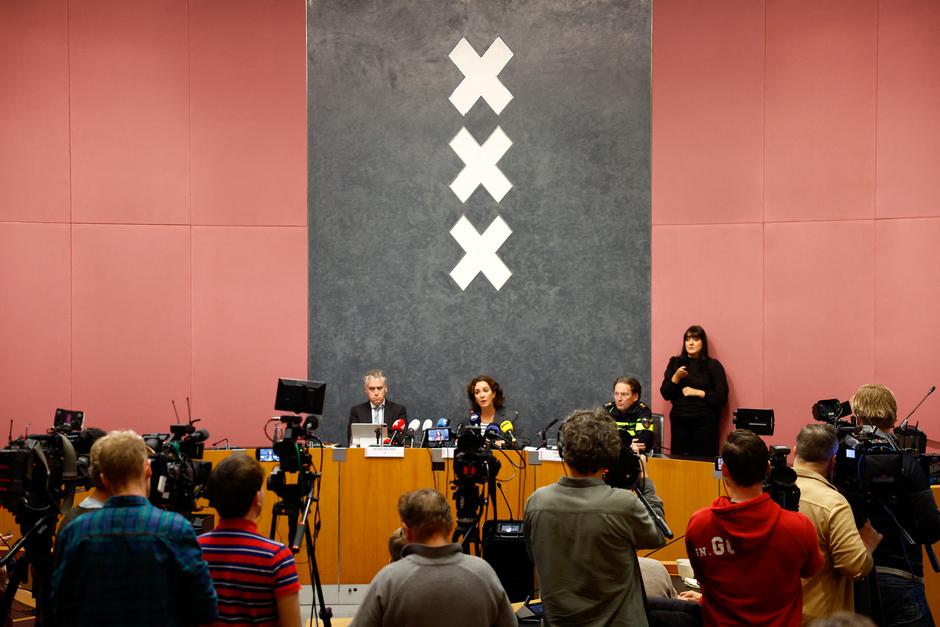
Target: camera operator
747,552
847,550
583,534
899,564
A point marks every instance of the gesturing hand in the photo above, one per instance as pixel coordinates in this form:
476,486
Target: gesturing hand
680,374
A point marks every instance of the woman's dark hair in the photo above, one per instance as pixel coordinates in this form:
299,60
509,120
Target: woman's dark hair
698,333
498,400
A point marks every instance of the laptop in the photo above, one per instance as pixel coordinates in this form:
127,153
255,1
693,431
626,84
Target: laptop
363,434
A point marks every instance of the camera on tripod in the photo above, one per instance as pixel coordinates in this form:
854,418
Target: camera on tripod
474,483
179,477
38,477
292,445
39,471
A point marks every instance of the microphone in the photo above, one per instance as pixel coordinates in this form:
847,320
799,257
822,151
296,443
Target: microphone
544,432
903,424
443,422
200,435
506,427
493,433
398,436
413,426
227,446
427,424
609,406
474,419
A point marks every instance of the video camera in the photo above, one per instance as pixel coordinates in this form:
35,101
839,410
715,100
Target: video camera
625,473
474,483
292,445
178,477
40,472
868,462
781,480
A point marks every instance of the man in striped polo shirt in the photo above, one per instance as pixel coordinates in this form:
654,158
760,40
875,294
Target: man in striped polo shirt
255,577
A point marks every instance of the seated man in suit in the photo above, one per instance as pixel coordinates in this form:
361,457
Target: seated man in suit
378,409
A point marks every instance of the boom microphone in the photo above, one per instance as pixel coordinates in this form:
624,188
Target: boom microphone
903,425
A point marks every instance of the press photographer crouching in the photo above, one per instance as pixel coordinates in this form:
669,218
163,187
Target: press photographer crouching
908,518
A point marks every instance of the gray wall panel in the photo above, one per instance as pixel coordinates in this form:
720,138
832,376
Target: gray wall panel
576,311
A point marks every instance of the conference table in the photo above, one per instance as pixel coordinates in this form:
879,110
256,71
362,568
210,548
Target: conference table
359,495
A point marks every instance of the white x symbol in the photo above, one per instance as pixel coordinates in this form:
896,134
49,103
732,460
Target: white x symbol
480,164
481,252
480,76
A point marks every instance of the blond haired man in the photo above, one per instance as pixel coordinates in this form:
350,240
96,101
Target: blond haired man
129,563
900,565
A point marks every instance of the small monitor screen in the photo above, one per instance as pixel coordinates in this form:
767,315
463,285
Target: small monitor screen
68,419
267,455
438,435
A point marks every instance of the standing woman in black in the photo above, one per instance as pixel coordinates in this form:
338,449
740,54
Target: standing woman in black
696,385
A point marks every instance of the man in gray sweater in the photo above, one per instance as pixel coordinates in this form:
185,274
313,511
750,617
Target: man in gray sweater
433,583
583,534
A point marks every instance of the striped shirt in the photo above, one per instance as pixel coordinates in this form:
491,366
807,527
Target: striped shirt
130,563
250,572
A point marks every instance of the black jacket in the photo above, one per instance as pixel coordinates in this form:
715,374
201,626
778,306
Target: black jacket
363,413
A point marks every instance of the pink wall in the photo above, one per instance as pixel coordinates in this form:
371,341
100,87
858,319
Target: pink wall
796,146
152,211
153,203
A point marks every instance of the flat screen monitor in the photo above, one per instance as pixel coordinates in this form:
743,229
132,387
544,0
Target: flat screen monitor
299,396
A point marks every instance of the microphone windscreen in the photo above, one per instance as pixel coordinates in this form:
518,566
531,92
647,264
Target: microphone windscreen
443,422
398,425
427,424
492,428
200,435
506,426
474,418
414,424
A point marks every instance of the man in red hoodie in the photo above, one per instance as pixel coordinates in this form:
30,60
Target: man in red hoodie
747,552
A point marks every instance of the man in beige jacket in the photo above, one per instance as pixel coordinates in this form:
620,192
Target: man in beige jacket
847,550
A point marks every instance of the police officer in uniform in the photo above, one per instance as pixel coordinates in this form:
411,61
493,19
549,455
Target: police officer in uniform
632,414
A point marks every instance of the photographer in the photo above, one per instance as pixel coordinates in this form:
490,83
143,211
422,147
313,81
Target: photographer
899,564
847,550
583,534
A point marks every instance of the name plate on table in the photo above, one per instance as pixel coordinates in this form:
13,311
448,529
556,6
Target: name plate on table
385,451
549,455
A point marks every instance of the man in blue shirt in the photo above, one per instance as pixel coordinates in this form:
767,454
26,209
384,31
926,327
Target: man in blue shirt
130,563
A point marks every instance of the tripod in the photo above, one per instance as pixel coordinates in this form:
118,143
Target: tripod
290,508
37,552
471,502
